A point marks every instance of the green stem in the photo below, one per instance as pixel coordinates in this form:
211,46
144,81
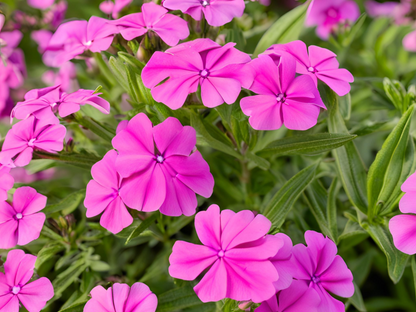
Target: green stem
107,74
75,159
94,126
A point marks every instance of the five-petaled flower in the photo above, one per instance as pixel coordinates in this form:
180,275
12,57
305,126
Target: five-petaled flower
324,271
170,28
122,298
29,135
216,12
15,286
320,64
160,166
220,71
236,252
21,222
282,98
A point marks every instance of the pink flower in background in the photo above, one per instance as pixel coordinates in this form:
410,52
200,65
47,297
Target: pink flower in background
170,28
297,298
10,40
27,136
282,99
40,4
56,14
403,227
74,38
66,77
324,271
44,103
221,72
21,223
283,262
236,251
15,286
320,64
409,41
160,166
21,175
122,298
103,195
328,15
114,8
42,38
216,12
399,11
6,182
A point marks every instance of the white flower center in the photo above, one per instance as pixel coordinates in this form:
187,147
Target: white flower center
88,43
221,253
31,143
311,69
19,216
15,290
205,3
160,159
204,73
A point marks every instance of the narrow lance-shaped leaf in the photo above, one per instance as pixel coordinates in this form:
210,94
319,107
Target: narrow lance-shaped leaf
287,28
396,260
332,210
349,163
143,226
414,271
279,206
391,167
68,204
310,144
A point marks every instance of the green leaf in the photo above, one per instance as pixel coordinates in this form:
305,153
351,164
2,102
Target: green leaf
177,299
66,205
345,106
396,260
47,252
414,271
75,159
283,200
357,299
199,126
287,28
67,277
77,307
350,166
316,197
310,144
332,210
142,226
396,92
99,266
37,165
259,161
354,30
392,166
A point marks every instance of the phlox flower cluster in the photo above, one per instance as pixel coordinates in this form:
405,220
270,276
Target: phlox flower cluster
240,261
154,168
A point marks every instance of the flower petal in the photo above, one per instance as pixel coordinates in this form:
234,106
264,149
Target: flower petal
30,227
35,294
403,229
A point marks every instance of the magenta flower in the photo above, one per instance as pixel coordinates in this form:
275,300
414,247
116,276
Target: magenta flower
403,227
28,135
220,71
216,12
21,223
6,182
409,41
170,28
297,298
40,4
399,11
74,38
324,271
9,41
320,64
328,15
15,286
44,103
236,252
282,98
103,195
66,77
122,298
283,262
161,167
114,8
42,38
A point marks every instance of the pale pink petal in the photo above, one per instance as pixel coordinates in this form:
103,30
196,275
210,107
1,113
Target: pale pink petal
408,202
104,172
208,227
318,55
6,212
8,234
120,295
102,300
403,230
97,198
213,286
19,267
337,79
30,227
116,216
107,6
221,12
171,29
264,111
27,201
141,299
35,294
410,184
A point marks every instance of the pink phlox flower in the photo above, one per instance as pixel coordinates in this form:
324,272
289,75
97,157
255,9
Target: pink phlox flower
403,227
44,103
56,14
236,251
282,97
74,38
160,166
328,15
22,175
114,8
409,41
42,38
103,195
323,270
283,262
66,77
170,28
6,182
398,11
221,72
319,64
297,298
216,12
15,286
9,40
40,4
21,222
28,135
122,298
